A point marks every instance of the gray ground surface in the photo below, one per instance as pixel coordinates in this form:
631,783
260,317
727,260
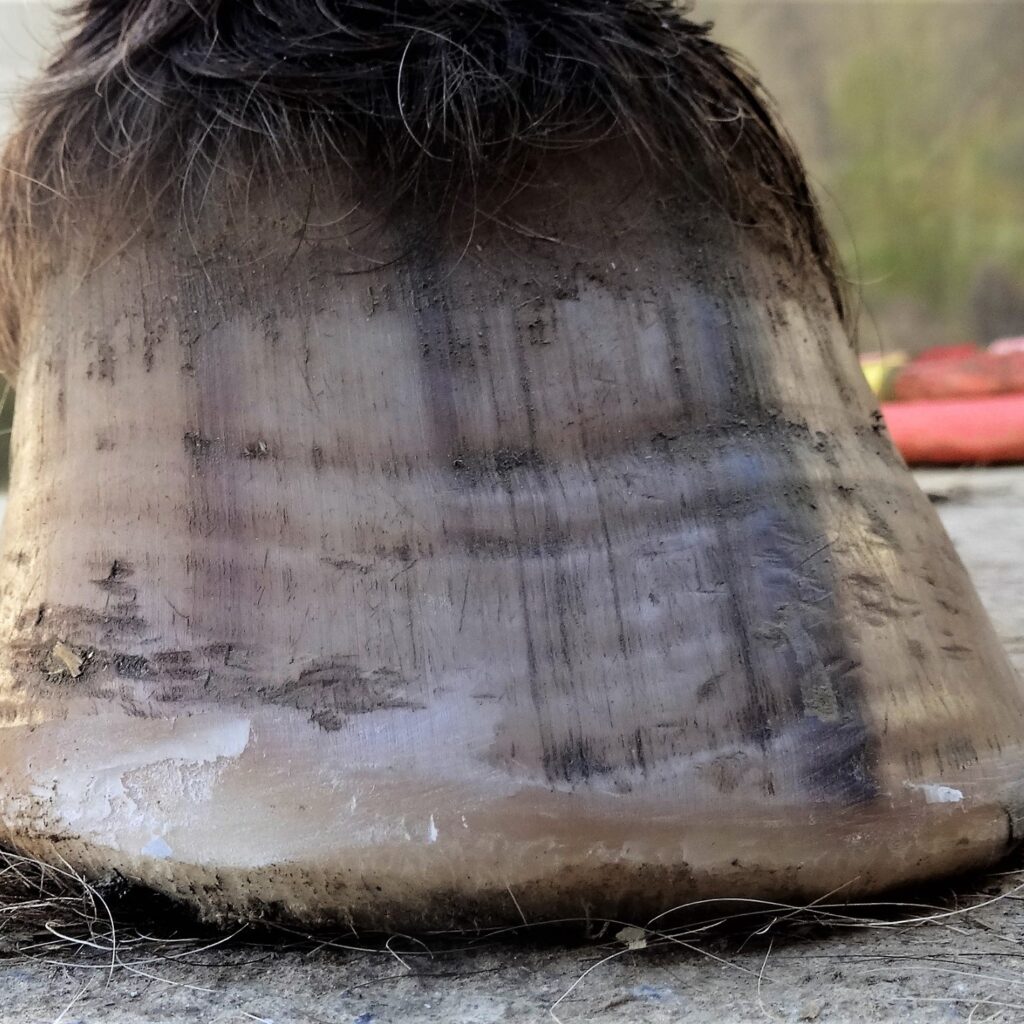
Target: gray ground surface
957,955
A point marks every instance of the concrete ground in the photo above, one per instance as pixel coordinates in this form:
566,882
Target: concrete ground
949,954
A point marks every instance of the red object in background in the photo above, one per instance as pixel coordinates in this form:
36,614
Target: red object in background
958,431
979,373
944,353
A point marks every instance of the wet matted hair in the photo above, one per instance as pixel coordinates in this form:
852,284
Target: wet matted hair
147,99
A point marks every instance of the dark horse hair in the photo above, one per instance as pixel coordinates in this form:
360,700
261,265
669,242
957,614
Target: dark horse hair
147,97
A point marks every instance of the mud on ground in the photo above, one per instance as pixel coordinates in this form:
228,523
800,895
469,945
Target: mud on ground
947,953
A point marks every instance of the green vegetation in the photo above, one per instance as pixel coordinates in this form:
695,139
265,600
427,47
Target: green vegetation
909,116
930,175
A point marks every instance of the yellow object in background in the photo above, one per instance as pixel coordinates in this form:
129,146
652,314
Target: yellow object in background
879,369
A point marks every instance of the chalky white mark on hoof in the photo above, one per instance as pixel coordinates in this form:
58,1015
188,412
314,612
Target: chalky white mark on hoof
156,847
936,794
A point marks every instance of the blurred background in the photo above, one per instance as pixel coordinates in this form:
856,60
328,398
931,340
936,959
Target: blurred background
910,117
27,29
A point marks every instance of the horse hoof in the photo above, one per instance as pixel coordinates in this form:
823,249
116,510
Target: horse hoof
458,556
